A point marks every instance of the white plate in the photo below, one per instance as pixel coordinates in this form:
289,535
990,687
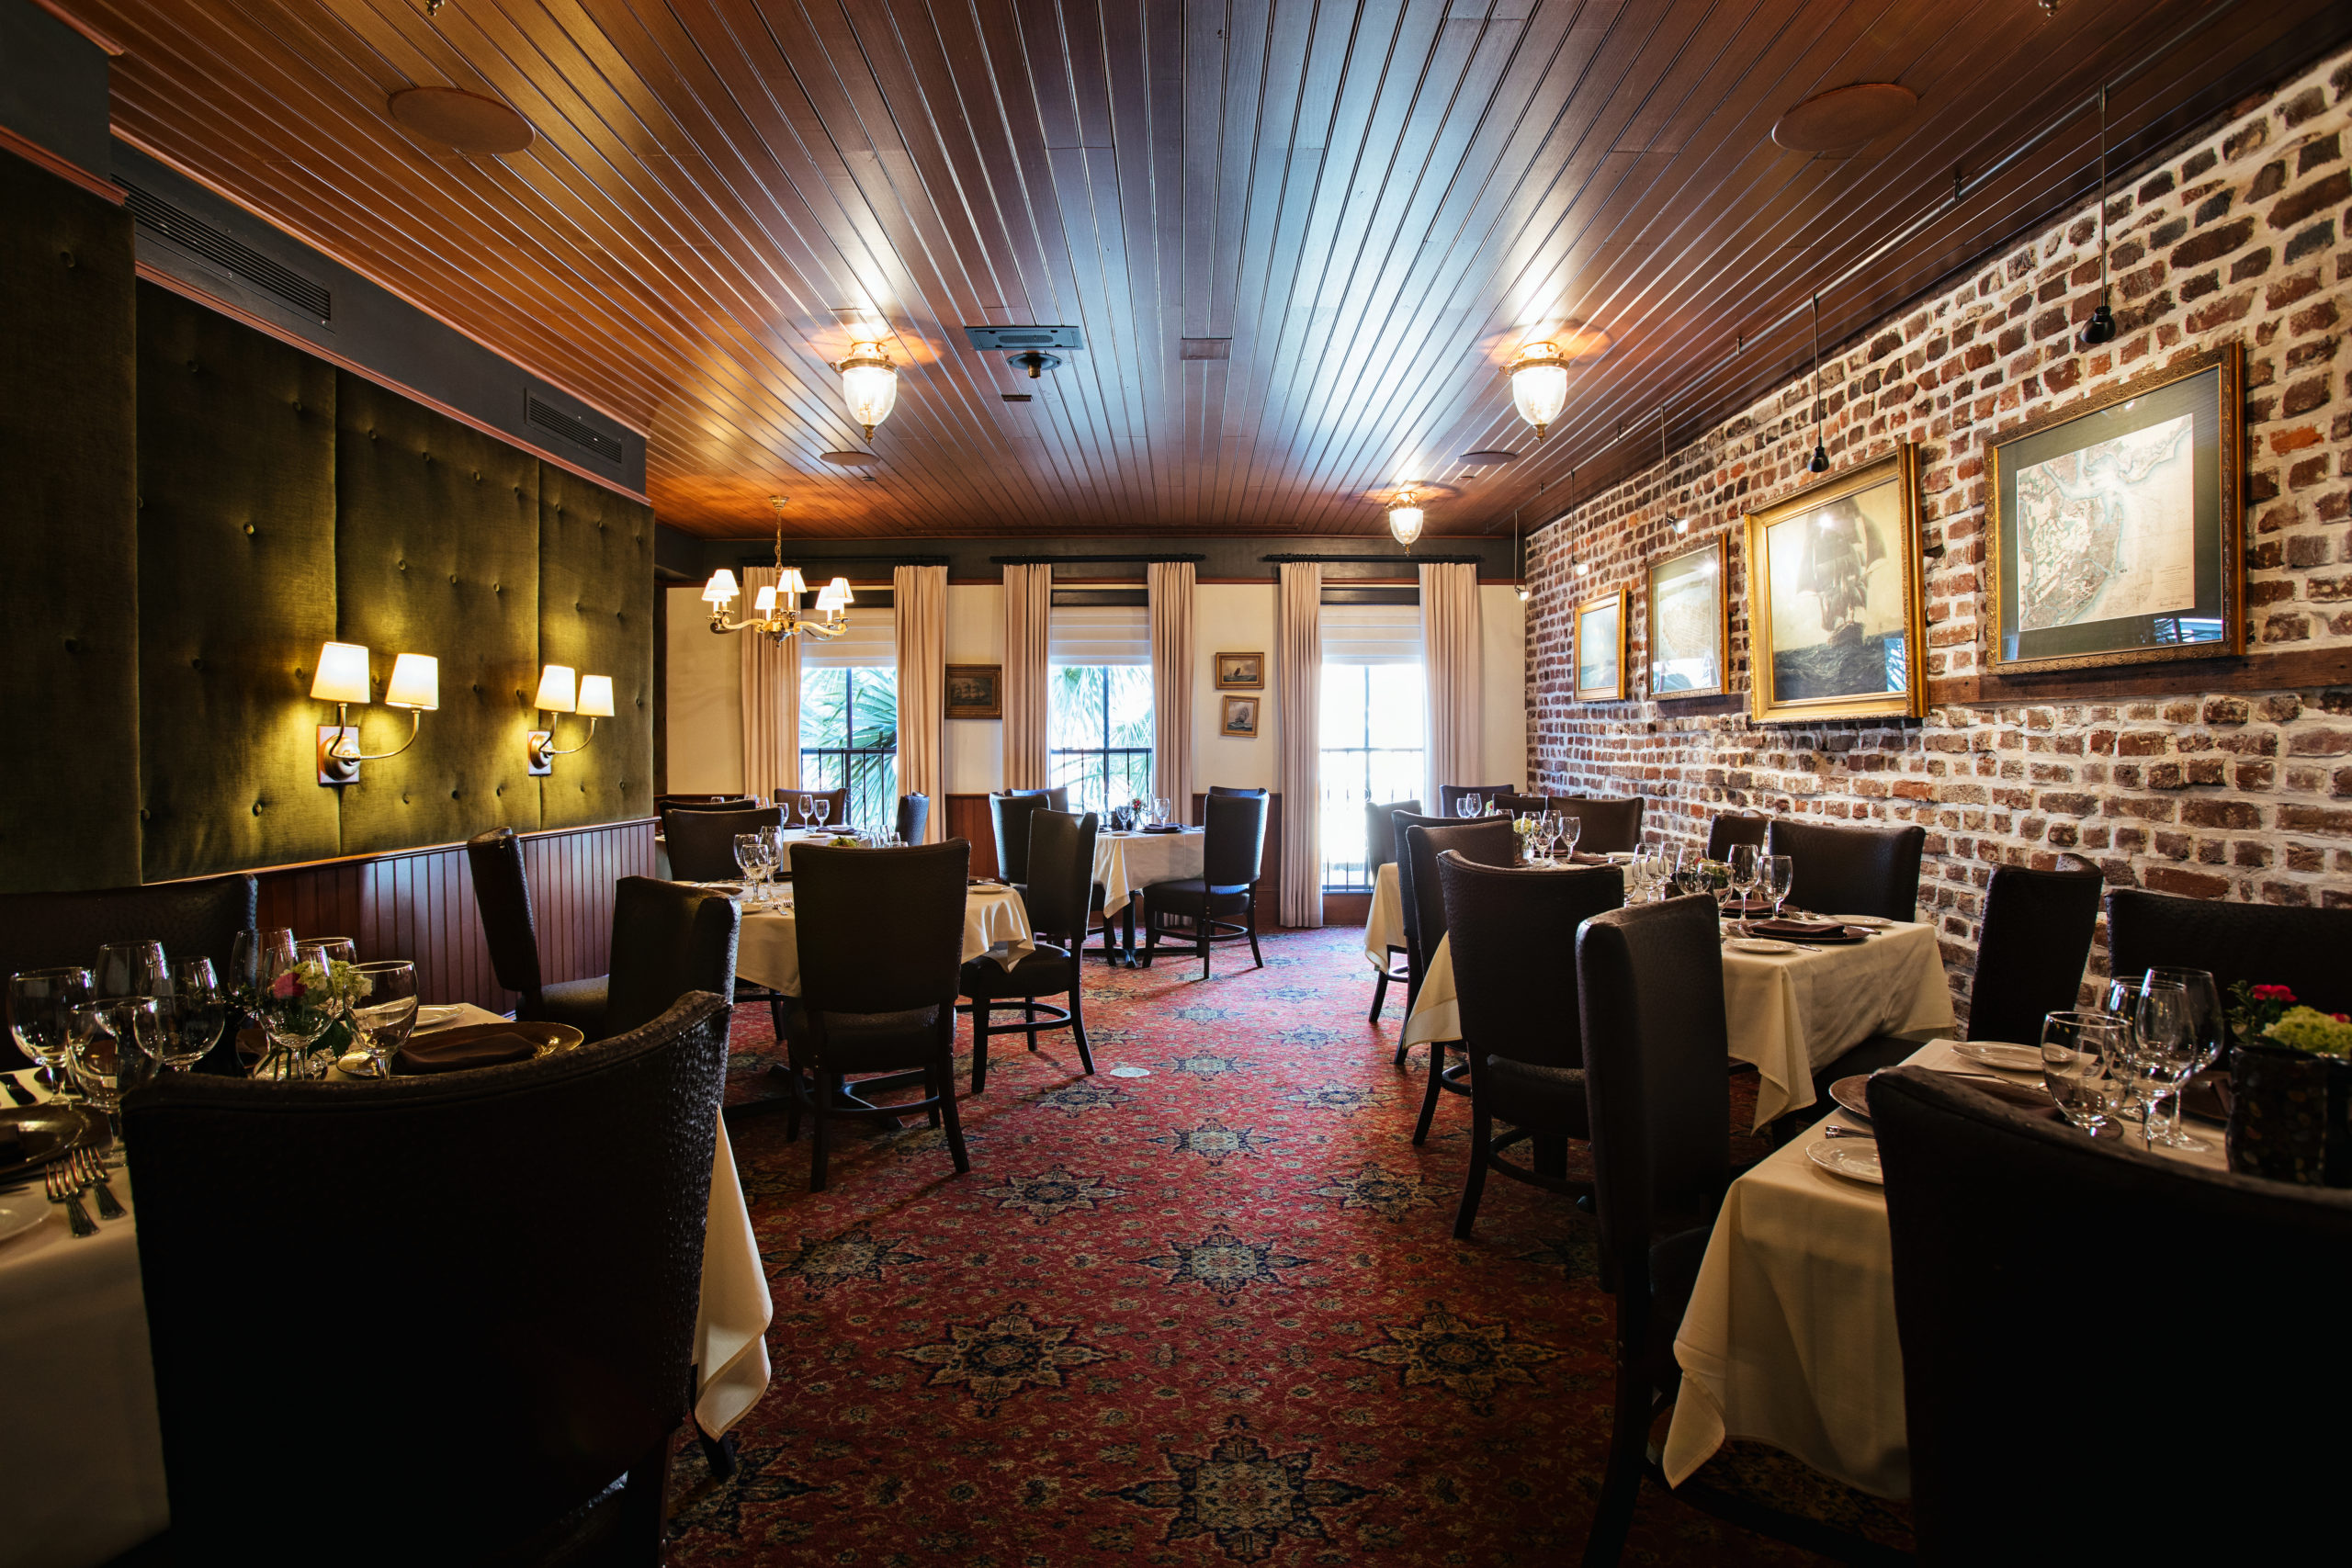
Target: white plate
1868,922
20,1212
1993,1053
439,1013
1854,1158
1758,944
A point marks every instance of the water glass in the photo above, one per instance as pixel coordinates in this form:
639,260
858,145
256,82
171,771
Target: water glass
751,859
1777,876
256,956
808,809
40,1018
293,1013
2082,1056
1743,872
116,1044
194,1014
2205,1031
1571,830
2163,1050
130,969
385,1014
824,809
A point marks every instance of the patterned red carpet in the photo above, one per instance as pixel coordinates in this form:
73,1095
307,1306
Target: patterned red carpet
1209,1311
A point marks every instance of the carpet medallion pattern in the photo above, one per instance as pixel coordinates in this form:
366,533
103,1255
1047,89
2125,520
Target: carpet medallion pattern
1209,1311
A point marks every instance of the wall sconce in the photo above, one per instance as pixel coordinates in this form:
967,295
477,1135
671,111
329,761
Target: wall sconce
590,696
342,680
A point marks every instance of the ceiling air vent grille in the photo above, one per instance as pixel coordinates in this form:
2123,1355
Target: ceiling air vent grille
283,284
581,433
1205,349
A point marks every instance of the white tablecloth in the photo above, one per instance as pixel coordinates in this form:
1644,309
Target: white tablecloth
1125,864
81,1452
1385,926
1787,1014
1790,1336
768,952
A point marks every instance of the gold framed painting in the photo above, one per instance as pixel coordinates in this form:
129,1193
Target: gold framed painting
975,691
2114,532
1240,671
1836,617
1600,649
1240,719
1690,624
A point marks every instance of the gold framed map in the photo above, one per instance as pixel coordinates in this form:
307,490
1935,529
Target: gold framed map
2113,534
1600,649
1690,624
1835,620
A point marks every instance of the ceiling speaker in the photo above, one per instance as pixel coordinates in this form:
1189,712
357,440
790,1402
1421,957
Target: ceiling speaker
473,124
1840,121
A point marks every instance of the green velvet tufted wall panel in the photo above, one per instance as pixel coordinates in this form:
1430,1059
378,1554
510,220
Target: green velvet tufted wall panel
597,615
237,591
69,808
437,551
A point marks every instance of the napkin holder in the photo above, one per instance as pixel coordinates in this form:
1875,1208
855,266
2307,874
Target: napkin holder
2291,1116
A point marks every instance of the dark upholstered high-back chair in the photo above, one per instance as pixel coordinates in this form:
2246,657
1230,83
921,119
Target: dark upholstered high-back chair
1009,813
1237,789
1233,853
1731,829
881,935
1450,796
2030,958
702,843
2308,951
1656,1055
1993,1246
1380,848
502,894
668,939
1420,840
192,919
836,806
1061,881
538,1354
1852,868
1611,827
1510,933
914,815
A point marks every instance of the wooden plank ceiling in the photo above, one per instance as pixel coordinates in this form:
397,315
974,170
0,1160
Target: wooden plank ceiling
1376,204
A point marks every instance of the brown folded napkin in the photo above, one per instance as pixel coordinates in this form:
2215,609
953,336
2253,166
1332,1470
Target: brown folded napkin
456,1049
1580,857
1745,905
1800,930
2029,1096
1165,828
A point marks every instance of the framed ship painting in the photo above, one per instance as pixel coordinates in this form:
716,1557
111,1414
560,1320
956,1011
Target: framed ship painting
1690,624
1835,613
1600,649
2114,534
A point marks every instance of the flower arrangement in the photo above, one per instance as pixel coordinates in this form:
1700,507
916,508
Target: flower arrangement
306,1013
2271,1013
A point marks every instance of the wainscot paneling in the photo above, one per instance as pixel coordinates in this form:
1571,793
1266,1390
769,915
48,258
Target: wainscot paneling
419,905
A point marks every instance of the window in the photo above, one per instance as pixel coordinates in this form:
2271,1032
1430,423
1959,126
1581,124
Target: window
1375,703
849,717
1099,688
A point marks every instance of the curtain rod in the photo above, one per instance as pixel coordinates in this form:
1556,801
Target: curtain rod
767,559
1378,560
1089,561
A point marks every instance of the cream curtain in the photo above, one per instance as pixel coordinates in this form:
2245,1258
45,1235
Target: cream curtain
1449,664
1028,612
1300,639
1171,684
919,593
771,700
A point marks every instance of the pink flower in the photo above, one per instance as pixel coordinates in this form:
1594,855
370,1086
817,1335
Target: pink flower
286,984
2342,1018
2273,994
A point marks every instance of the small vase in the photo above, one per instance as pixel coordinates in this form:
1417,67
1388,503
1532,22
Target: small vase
2291,1116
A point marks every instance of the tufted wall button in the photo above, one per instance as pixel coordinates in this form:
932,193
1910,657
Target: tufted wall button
371,435
403,566
249,528
453,579
453,794
72,645
298,406
497,588
403,797
193,366
196,663
477,690
142,815
68,258
477,478
257,807
500,790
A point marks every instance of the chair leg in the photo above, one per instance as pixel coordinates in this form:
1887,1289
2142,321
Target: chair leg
1380,995
1621,1483
945,1088
645,1504
1473,1184
823,1118
1208,931
979,1045
1150,937
1411,990
1252,897
793,1093
1078,1023
1029,1015
1429,1098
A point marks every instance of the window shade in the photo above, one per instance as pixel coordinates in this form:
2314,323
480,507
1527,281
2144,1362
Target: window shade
872,639
1100,634
1371,633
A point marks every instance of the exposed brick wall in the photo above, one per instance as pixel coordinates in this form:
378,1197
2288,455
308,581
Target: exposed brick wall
2242,231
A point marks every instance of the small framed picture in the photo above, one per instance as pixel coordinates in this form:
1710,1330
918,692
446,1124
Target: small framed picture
2114,532
976,690
1836,621
1240,671
1600,649
1240,718
1690,624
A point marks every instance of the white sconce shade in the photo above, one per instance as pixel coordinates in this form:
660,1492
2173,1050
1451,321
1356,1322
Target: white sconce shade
720,588
869,384
595,696
416,682
342,674
765,599
1539,385
839,585
559,690
1405,520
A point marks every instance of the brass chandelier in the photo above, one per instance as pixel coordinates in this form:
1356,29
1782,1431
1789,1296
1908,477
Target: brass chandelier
776,610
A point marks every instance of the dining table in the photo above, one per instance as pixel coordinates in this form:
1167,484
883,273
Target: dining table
767,949
1384,924
1790,1337
1127,863
787,837
1787,1011
81,1450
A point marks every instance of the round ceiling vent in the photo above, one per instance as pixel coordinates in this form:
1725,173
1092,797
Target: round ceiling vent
1840,121
1488,459
468,121
849,460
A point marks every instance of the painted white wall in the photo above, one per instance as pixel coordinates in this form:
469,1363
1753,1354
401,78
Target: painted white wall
1234,617
1502,654
975,636
704,712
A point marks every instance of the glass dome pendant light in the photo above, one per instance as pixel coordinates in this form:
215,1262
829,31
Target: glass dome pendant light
1539,384
1819,463
1405,518
869,384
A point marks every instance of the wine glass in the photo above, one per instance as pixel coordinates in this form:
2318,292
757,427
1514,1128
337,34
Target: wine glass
1637,875
385,1013
114,1047
1743,879
194,1014
2205,1028
1159,807
808,809
824,808
1571,830
130,969
2163,1052
296,1007
751,859
40,1018
2081,1055
1778,874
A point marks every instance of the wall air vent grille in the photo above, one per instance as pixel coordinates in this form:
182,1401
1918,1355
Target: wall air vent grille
579,431
190,233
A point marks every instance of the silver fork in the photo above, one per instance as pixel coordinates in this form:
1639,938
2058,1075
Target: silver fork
63,1189
91,1166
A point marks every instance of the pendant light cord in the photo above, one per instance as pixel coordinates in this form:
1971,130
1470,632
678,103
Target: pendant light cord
2103,297
1817,369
